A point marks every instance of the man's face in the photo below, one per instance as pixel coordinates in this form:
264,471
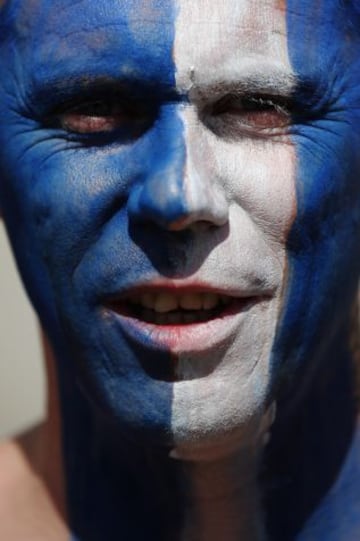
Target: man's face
180,184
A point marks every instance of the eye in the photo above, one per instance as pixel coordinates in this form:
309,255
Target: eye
104,116
254,114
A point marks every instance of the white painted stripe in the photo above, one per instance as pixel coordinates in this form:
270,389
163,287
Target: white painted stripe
243,44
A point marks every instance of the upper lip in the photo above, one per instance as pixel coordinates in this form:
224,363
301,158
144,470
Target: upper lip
187,286
177,286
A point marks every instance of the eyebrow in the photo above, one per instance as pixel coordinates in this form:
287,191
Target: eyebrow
57,90
268,81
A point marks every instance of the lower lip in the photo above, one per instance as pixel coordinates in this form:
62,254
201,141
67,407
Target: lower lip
183,338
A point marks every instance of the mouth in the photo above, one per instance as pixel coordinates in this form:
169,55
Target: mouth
192,324
166,308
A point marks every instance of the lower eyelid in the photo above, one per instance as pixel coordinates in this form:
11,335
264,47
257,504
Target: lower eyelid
234,128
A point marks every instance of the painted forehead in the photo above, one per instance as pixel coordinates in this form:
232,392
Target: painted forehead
228,24
148,9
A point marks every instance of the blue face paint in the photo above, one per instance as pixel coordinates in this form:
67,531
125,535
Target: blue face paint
73,203
312,346
80,194
322,245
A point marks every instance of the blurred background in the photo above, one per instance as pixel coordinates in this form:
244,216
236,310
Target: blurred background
22,386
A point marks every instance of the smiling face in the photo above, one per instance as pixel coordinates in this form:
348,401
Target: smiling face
174,184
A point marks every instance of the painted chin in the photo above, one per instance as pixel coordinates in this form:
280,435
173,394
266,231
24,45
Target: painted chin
180,331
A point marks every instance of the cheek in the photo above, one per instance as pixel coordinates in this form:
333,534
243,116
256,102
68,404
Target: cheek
261,179
323,254
75,194
258,176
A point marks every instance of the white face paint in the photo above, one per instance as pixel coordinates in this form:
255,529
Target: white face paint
221,49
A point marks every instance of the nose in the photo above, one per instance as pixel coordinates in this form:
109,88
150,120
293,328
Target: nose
180,189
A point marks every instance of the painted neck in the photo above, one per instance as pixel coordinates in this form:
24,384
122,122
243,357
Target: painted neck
117,489
310,443
142,493
223,500
159,497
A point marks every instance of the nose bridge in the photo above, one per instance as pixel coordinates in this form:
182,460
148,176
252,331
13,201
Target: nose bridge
178,189
205,193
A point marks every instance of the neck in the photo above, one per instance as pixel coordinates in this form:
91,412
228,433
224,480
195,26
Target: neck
145,493
311,439
223,499
117,489
142,493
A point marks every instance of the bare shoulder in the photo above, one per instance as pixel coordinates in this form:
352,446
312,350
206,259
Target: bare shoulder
27,510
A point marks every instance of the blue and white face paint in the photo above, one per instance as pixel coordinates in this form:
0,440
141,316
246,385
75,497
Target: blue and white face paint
323,244
150,181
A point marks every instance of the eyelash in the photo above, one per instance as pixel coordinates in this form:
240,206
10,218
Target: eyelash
250,115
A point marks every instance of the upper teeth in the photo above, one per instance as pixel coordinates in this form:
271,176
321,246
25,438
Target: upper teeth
163,302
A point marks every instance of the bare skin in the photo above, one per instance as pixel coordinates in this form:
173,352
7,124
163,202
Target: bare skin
32,504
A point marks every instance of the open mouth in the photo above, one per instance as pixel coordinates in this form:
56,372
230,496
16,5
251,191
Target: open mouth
185,323
175,308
